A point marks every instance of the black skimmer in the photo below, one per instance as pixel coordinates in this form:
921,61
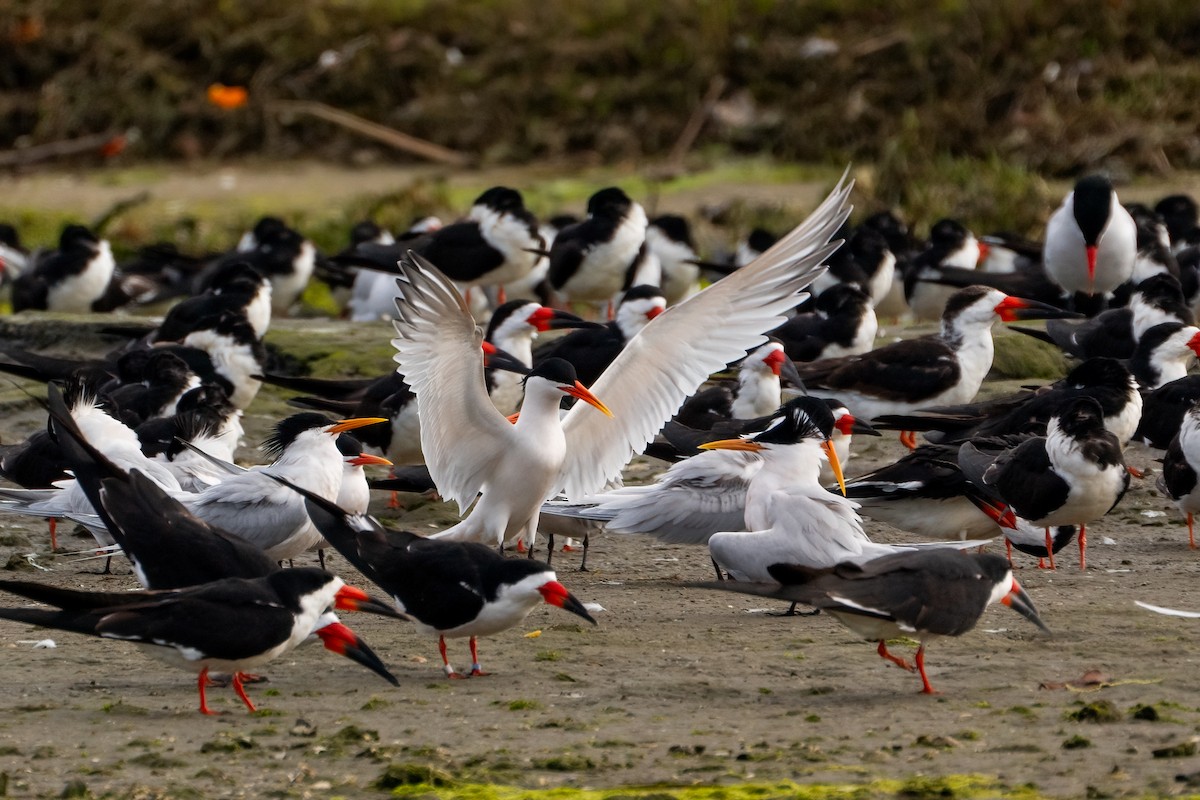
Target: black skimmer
1154,254
757,394
373,290
1163,410
757,242
1073,475
924,595
277,251
232,625
496,243
864,262
841,322
1116,332
1181,216
236,288
592,350
951,245
453,589
943,369
1180,463
669,239
1164,354
589,260
1091,240
71,278
512,329
1106,380
168,547
470,448
924,493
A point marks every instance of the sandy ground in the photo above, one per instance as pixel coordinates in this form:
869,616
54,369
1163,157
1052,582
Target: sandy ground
674,686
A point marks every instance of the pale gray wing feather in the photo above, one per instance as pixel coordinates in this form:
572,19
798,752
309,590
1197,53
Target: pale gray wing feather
680,348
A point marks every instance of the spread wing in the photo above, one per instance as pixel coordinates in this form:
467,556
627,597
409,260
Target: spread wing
438,353
680,348
693,500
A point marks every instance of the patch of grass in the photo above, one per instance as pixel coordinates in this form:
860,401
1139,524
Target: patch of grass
1076,743
157,761
375,703
1096,711
547,655
524,705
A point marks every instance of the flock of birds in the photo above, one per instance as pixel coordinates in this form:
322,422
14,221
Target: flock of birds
139,446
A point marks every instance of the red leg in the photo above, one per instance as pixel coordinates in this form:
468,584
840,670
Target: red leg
450,673
53,535
1050,548
1008,550
1042,563
201,683
1083,546
241,691
897,660
926,688
501,296
1191,534
475,668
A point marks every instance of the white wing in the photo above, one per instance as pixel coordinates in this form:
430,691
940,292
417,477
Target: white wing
690,502
681,347
438,352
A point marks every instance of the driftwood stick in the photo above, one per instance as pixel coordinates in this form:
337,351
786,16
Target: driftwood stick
382,133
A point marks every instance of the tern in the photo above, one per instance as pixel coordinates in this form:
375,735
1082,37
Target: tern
473,451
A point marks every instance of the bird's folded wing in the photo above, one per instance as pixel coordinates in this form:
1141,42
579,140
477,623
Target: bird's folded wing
438,353
680,348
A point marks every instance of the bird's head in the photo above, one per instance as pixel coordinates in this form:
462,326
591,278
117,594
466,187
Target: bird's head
560,374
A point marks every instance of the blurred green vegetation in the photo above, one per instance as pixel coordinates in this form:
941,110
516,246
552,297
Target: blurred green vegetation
1052,88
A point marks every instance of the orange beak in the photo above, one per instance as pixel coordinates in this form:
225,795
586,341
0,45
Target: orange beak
364,459
835,464
351,424
745,445
581,392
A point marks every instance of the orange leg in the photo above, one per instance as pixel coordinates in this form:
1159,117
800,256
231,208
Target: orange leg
201,683
450,673
1050,548
475,668
897,660
53,535
1008,550
241,691
1135,472
501,296
1042,563
909,439
926,688
1083,547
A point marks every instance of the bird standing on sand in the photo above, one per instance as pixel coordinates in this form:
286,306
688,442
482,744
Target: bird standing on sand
474,452
925,595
